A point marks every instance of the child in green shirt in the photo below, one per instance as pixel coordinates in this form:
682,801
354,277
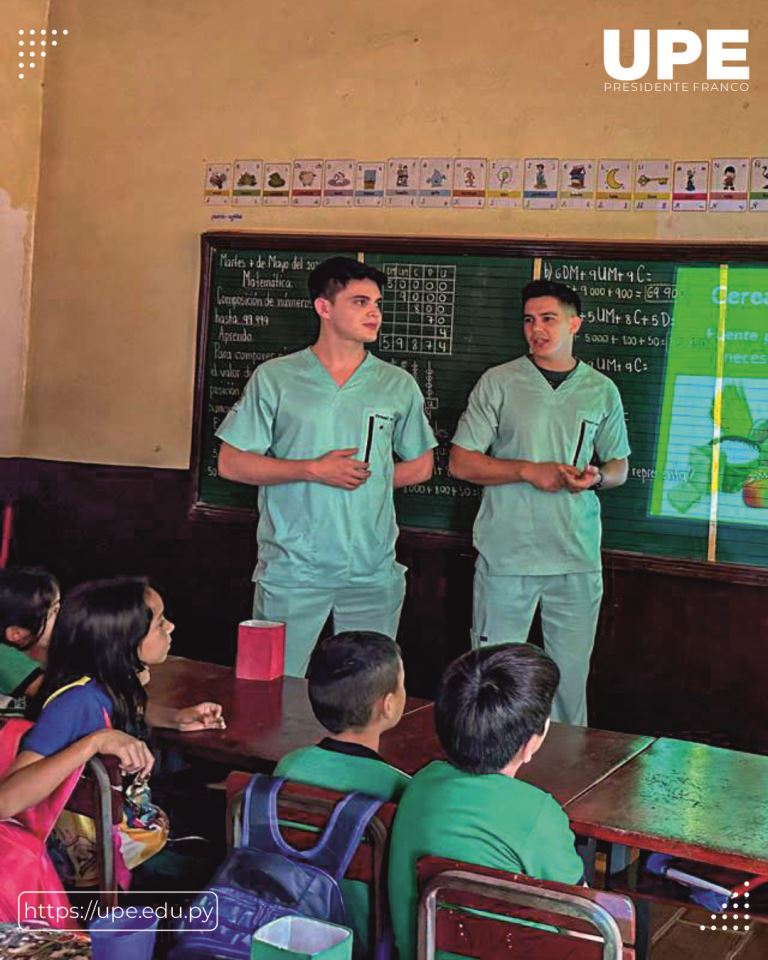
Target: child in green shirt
357,691
492,715
29,603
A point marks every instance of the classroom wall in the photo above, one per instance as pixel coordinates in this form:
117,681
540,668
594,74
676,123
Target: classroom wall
142,93
21,104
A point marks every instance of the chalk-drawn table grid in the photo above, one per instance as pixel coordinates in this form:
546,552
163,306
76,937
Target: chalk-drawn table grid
419,304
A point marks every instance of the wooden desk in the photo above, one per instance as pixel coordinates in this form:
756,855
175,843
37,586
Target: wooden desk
264,720
686,799
571,760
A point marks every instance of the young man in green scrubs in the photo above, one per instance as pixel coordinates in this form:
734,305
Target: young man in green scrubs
316,431
357,691
491,715
529,434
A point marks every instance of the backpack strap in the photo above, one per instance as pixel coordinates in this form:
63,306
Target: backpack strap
335,846
261,828
343,833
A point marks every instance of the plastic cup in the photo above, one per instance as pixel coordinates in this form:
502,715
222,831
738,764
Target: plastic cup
260,650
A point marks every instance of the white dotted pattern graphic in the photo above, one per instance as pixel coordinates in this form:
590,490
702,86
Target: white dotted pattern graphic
32,53
735,917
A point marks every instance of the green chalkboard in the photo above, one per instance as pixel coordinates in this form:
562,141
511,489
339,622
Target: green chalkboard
256,307
672,325
446,320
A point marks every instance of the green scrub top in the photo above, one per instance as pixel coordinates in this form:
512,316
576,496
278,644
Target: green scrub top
292,409
514,414
491,820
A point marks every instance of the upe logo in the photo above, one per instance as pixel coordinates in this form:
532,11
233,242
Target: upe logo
678,48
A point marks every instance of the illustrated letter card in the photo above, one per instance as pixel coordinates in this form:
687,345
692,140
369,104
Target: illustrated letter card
729,184
653,185
248,180
435,181
469,183
758,187
614,185
689,191
505,183
369,183
339,183
306,183
276,189
577,184
402,181
540,184
218,183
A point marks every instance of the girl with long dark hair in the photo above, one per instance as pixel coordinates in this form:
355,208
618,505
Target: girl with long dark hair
107,636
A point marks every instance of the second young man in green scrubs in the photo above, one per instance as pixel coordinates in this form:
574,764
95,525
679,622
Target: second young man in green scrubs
529,434
316,431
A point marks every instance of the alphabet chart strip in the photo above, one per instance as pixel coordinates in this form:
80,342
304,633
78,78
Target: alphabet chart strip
419,302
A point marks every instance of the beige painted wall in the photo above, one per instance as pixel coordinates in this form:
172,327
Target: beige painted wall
142,93
21,104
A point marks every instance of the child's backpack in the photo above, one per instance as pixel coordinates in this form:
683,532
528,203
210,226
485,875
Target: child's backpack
266,878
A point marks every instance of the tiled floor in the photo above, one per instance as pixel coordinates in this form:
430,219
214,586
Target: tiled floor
677,935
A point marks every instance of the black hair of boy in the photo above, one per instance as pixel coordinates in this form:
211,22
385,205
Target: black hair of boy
26,595
334,274
550,288
348,673
490,703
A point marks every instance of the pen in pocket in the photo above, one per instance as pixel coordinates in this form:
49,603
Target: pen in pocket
369,439
370,432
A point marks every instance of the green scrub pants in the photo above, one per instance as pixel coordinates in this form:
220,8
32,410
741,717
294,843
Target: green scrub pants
370,606
570,604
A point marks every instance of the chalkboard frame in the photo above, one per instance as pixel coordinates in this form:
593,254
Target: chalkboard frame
212,242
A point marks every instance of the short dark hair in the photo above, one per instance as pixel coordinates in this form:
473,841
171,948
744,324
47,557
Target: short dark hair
26,595
490,703
348,673
334,274
550,288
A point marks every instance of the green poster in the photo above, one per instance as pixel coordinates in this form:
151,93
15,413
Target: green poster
704,452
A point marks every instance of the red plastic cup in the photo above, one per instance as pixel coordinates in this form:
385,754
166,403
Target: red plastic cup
260,650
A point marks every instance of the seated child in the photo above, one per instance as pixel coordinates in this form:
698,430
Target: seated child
357,691
492,715
108,634
29,602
